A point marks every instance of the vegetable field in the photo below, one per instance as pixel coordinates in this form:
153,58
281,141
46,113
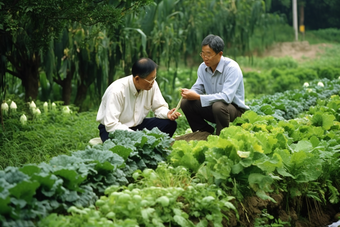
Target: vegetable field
277,165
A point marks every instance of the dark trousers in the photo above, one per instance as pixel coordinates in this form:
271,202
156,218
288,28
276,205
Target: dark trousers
219,113
164,125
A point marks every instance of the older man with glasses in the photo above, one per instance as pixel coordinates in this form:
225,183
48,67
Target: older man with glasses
128,100
218,93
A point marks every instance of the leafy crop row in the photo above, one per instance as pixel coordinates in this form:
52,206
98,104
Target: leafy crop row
265,153
298,158
33,191
144,204
287,105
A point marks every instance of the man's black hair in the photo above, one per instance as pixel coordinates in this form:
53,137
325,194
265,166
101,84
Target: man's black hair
215,42
143,67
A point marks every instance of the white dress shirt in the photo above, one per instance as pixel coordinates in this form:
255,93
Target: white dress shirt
123,106
224,84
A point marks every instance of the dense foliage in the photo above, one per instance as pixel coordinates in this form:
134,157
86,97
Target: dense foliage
136,178
283,153
33,191
80,47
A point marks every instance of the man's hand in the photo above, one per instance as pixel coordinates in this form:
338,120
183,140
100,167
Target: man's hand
189,94
173,115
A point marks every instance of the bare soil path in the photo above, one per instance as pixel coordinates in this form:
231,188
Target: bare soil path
299,51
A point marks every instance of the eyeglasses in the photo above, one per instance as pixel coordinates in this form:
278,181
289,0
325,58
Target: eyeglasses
150,81
206,56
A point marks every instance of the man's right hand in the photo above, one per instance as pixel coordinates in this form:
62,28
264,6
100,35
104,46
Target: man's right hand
189,94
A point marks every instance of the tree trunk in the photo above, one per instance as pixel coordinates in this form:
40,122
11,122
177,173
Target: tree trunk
29,74
81,95
67,86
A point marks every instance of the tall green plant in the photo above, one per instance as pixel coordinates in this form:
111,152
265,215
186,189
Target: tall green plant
24,35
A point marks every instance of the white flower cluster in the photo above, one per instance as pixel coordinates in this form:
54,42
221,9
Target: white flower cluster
34,109
320,84
66,110
5,108
23,119
306,85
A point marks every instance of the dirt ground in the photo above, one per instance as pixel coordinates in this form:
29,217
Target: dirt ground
317,215
299,51
193,136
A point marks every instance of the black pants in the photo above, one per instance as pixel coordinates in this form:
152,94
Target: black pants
220,113
164,125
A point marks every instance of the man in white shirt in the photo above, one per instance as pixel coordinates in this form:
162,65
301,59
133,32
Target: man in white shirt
128,100
218,93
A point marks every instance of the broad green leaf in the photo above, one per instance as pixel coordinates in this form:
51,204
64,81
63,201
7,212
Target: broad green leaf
71,178
69,196
259,181
122,151
261,194
282,141
267,141
202,223
327,121
65,161
181,221
314,141
104,167
323,120
107,145
13,175
205,174
4,208
269,164
303,145
49,183
285,155
267,109
147,213
199,150
188,161
237,168
24,190
258,148
222,168
283,172
30,169
298,158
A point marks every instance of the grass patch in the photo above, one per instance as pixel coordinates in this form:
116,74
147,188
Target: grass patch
44,136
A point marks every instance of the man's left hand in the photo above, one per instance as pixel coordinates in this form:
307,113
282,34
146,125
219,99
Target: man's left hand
173,115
